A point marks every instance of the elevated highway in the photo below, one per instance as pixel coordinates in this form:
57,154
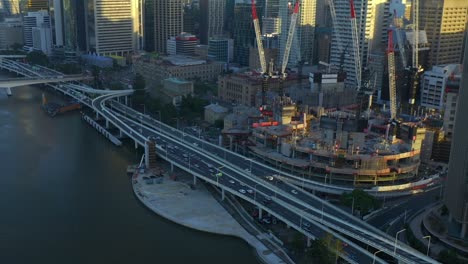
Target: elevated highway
233,173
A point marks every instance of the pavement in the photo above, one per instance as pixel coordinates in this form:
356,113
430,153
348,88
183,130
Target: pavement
194,208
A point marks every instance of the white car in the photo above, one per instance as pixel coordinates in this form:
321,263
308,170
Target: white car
294,191
242,191
270,178
231,181
249,191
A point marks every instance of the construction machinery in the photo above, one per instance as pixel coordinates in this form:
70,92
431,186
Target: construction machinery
267,73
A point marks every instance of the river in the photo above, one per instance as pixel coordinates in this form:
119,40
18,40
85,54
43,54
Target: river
65,197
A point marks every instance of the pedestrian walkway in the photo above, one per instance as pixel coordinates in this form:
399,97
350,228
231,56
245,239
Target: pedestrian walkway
195,208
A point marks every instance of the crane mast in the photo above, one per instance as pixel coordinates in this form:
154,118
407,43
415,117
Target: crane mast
335,25
357,56
391,75
258,35
399,37
292,29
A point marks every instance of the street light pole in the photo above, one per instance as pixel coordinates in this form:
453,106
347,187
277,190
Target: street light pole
396,240
373,261
428,244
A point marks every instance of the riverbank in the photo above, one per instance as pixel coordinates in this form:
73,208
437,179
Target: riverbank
193,206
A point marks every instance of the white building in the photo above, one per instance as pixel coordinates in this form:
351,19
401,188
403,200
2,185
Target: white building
11,32
433,85
42,39
39,19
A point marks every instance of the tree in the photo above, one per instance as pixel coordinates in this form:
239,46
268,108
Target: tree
219,123
363,201
37,57
320,251
449,257
297,242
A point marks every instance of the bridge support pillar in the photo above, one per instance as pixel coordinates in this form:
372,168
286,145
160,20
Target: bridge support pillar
147,154
121,135
136,144
172,167
107,123
97,115
288,226
126,100
194,180
8,91
260,213
222,194
309,242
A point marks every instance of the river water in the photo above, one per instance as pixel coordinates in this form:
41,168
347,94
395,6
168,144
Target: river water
65,197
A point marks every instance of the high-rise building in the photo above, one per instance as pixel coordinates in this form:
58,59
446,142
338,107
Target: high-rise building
302,45
372,20
11,33
36,5
114,26
221,49
149,25
456,186
444,22
212,19
242,31
39,19
10,7
168,21
433,85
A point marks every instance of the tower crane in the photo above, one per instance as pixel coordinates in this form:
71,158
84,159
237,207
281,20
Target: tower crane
261,54
391,75
287,48
399,37
331,5
356,48
416,69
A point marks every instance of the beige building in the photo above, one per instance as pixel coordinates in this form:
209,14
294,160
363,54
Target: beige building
156,69
215,112
242,88
444,22
11,32
168,22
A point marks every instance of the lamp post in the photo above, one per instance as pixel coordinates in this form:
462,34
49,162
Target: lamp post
428,244
375,253
396,240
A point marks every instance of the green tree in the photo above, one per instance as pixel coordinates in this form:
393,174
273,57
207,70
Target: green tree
69,68
192,107
320,252
297,242
37,57
363,201
219,123
449,257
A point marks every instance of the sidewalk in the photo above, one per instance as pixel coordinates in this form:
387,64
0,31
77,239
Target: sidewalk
195,208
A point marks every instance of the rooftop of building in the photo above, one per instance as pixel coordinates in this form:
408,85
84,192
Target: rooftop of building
217,108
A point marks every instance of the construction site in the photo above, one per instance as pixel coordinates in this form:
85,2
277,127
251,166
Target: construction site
329,137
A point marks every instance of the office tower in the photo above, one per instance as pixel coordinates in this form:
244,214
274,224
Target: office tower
271,8
221,49
113,26
40,19
370,34
444,22
36,5
191,23
456,186
10,7
433,85
168,21
11,32
149,25
302,46
212,19
242,31
183,44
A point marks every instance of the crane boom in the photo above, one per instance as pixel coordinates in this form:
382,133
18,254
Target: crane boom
261,52
357,56
335,25
391,75
399,37
292,29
